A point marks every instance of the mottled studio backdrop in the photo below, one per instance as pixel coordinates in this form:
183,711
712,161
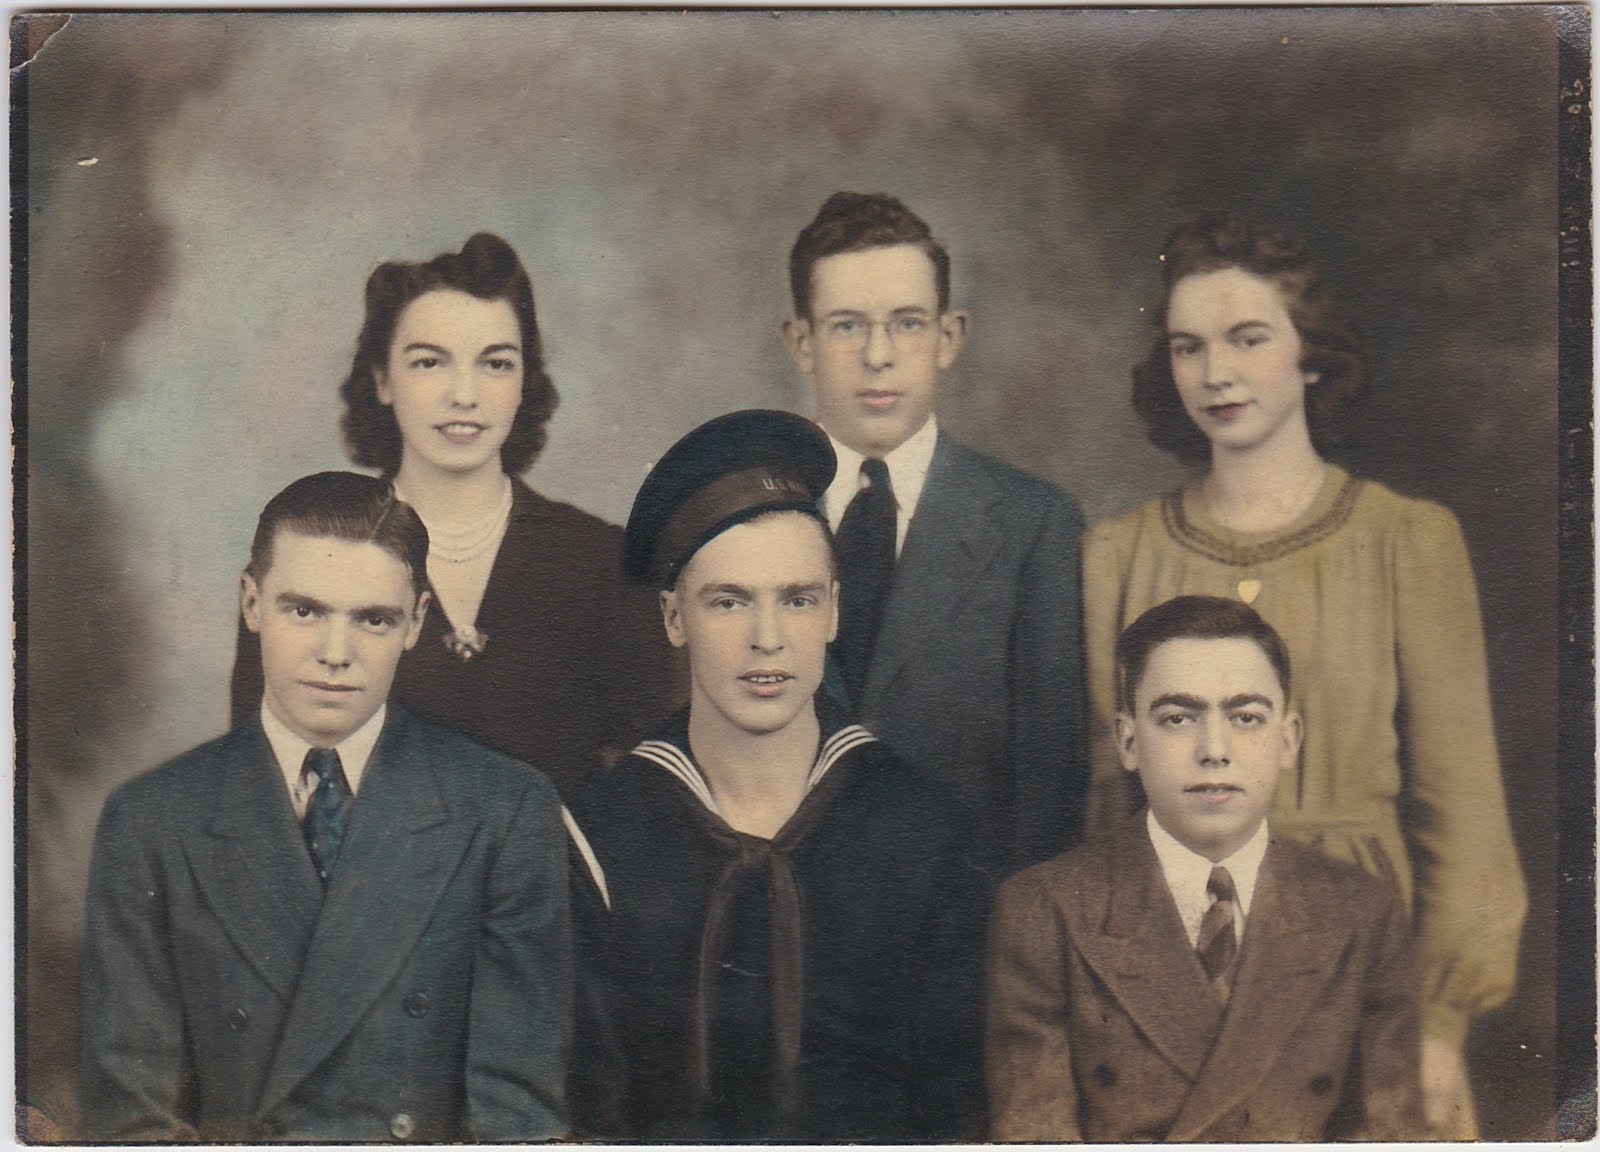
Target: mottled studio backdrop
207,193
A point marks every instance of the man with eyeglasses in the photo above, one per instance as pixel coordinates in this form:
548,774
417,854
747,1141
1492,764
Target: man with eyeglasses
959,619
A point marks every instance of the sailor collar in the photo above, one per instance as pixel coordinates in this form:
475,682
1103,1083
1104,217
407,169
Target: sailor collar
671,753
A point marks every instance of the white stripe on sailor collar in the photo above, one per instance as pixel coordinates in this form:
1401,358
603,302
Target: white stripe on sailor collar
590,860
676,761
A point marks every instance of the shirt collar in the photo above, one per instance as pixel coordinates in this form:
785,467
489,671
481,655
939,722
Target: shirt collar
354,750
1187,871
908,472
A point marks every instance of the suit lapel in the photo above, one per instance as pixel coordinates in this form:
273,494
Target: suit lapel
251,861
402,847
1288,957
1143,955
951,541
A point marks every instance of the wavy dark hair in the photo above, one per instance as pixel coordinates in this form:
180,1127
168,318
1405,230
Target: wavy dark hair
1193,618
853,222
486,267
1211,242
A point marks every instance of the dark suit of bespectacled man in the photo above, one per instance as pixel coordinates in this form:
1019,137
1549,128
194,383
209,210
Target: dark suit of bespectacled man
959,634
338,922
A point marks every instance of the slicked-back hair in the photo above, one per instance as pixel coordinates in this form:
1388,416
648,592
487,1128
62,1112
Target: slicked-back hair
487,268
1193,618
854,222
344,506
1211,242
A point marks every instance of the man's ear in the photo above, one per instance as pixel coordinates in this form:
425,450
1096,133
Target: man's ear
424,598
1127,743
1293,732
672,618
833,600
250,606
801,342
952,338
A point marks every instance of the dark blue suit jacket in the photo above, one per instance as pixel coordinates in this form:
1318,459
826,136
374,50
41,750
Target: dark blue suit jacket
427,996
977,673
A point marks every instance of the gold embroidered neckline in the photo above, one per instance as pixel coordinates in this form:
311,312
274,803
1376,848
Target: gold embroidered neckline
1175,518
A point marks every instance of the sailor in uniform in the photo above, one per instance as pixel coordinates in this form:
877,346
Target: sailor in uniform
780,925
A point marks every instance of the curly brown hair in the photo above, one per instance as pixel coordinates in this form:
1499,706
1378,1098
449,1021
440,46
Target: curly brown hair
1211,242
486,267
852,222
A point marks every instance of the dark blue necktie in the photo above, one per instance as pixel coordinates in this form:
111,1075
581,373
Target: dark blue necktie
329,809
866,569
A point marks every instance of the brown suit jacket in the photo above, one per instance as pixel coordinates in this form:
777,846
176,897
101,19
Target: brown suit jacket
1102,1026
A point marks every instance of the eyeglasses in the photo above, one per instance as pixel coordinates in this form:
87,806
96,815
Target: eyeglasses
907,331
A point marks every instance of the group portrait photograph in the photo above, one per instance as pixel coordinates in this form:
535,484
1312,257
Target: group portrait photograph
802,576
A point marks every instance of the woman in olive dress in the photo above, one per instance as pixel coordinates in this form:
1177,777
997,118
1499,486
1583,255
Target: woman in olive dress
1255,376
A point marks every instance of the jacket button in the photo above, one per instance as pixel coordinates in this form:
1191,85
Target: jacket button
1105,1075
418,1004
1322,1085
402,1126
238,1019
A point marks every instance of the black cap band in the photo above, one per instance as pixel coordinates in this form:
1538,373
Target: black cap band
727,470
718,506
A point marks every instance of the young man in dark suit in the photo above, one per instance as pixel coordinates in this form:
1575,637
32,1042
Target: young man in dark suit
959,634
1188,978
336,923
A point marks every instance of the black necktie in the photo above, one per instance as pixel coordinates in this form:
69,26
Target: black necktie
1217,944
866,567
329,809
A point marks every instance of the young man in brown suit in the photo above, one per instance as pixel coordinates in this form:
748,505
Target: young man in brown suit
1189,978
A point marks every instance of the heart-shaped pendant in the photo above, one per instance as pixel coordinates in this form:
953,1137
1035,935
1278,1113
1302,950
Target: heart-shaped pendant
1249,590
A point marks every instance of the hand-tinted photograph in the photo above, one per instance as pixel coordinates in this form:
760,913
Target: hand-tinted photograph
796,576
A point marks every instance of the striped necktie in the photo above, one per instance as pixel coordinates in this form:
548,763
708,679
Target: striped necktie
1218,945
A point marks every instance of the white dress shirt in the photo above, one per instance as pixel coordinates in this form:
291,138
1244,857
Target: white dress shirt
1186,874
908,472
354,752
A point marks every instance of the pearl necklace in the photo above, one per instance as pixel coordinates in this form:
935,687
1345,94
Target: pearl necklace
471,543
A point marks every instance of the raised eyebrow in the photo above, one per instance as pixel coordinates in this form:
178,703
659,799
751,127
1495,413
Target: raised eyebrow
388,611
791,590
1178,700
724,590
1244,699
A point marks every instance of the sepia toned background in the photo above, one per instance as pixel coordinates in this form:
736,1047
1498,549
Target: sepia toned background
206,195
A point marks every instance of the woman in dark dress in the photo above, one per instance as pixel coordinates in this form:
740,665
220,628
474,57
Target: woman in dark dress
534,646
